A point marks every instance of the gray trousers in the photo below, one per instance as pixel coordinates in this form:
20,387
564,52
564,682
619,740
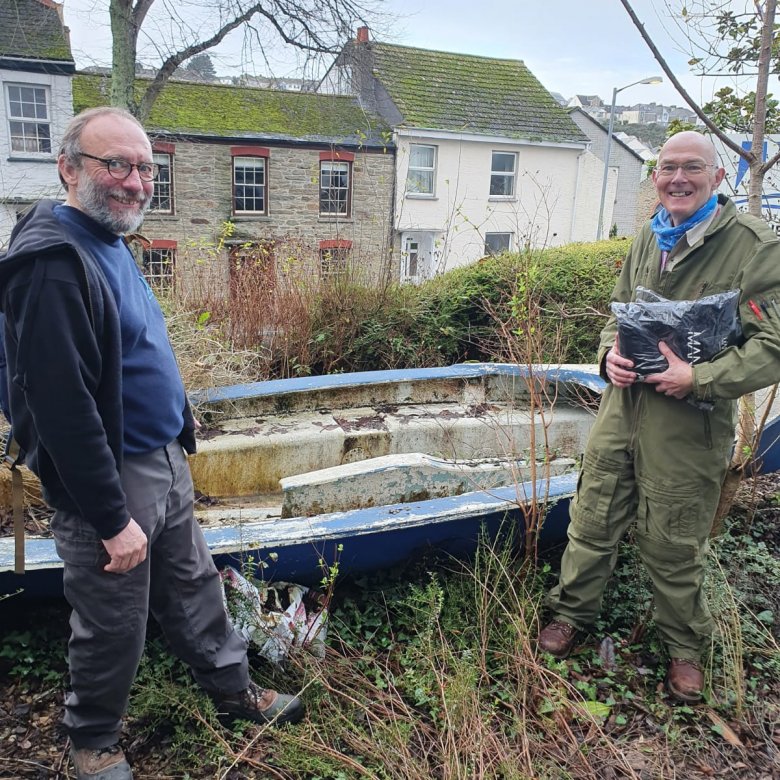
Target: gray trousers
178,582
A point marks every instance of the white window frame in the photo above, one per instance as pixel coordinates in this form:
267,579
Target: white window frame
240,161
493,234
422,169
165,162
335,261
511,176
37,122
331,166
158,266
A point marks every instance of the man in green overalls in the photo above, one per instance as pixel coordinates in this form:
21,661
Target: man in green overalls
654,458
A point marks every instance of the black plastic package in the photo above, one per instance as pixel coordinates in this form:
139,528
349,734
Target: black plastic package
695,331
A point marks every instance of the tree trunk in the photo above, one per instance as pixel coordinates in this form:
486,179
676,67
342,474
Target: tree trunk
124,34
728,491
746,431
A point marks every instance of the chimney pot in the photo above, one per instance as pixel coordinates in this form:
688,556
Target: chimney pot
362,35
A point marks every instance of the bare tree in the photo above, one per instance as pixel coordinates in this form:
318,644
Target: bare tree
310,26
751,49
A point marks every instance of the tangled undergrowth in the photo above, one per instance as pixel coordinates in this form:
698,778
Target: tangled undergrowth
432,673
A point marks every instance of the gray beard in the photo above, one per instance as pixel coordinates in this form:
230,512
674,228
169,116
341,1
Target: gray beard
95,203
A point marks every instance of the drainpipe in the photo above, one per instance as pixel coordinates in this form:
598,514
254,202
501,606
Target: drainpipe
576,192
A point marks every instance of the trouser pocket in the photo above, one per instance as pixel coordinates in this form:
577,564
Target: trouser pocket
77,542
604,495
673,514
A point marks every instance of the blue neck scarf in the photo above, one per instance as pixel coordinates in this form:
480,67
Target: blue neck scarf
667,235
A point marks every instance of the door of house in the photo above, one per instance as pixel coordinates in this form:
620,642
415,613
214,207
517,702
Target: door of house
419,255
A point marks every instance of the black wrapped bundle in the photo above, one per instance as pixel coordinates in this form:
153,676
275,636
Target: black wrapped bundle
695,331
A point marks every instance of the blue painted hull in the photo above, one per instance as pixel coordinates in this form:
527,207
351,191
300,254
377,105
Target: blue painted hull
365,539
358,541
379,538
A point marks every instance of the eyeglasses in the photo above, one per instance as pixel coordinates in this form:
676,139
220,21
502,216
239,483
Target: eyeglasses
690,169
121,169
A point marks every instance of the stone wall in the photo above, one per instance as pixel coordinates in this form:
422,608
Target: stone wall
204,227
646,202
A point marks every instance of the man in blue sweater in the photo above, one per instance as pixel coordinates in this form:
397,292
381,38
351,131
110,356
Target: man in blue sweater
99,408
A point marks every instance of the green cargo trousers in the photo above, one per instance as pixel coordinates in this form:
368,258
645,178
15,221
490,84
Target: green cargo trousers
659,463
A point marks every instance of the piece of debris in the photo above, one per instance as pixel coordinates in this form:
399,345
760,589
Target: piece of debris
275,616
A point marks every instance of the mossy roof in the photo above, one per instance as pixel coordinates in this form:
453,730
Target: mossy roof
31,29
465,93
221,111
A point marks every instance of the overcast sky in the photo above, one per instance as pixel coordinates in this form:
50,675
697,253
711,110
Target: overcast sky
571,46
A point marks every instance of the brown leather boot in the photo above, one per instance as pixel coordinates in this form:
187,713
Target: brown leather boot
261,705
557,638
106,763
685,679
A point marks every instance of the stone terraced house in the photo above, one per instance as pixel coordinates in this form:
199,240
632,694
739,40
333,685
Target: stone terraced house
275,176
36,67
486,159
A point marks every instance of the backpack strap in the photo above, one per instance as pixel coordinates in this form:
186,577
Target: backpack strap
14,457
14,454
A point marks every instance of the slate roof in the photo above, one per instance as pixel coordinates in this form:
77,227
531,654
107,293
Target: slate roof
31,29
465,93
601,130
594,101
222,111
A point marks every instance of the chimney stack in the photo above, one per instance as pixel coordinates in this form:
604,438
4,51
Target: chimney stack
362,35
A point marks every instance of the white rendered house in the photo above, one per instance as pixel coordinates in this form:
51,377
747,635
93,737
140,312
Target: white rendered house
486,159
36,103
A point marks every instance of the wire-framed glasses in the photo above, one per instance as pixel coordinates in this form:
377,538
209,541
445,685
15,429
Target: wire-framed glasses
689,168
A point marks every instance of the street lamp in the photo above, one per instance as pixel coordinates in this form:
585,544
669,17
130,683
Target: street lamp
650,80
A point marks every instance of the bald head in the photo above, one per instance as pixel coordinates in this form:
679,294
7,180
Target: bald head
71,140
686,175
690,141
115,198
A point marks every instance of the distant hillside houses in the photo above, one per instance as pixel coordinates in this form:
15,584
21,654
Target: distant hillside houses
638,114
283,83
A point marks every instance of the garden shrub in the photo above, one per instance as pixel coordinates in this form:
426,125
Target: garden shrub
310,325
451,318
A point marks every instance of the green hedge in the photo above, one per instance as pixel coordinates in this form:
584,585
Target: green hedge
451,318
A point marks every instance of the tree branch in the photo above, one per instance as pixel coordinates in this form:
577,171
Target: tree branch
771,162
169,66
139,12
747,155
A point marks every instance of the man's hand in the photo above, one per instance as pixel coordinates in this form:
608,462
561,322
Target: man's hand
677,380
619,368
127,549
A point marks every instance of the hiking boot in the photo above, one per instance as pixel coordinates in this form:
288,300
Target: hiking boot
685,679
106,763
557,638
261,705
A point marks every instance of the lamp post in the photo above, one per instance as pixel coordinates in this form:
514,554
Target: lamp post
649,80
